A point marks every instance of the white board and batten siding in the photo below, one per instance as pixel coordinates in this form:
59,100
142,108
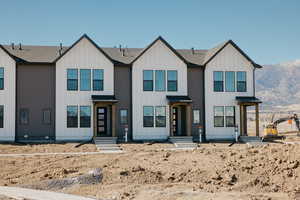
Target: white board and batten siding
84,55
158,57
229,59
8,97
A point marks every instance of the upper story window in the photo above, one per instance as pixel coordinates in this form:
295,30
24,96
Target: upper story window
1,78
230,81
72,79
172,80
148,80
98,79
218,82
160,80
1,116
85,79
241,82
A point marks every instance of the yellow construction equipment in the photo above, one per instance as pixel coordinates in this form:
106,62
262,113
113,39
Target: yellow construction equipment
271,129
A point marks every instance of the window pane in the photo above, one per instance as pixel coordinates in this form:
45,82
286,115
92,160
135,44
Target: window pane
218,111
172,75
160,80
123,117
148,116
72,73
72,116
85,79
241,86
1,116
24,116
1,83
98,74
72,84
230,122
1,78
98,79
219,116
218,82
172,85
85,116
47,116
148,85
230,81
241,76
148,111
218,76
196,116
148,121
72,80
219,121
229,111
148,75
160,116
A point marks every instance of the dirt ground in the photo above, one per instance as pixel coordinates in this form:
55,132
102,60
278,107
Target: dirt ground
150,171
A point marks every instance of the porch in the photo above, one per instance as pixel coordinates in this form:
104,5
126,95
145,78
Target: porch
180,112
104,117
244,103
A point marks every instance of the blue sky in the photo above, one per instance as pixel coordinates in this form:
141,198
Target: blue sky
267,30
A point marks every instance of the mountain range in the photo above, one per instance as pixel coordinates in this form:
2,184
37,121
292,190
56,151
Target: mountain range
279,85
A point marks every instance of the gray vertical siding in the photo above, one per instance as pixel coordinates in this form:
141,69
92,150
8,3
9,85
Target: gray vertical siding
35,92
122,85
195,77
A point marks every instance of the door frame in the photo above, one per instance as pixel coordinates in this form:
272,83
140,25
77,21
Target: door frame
105,113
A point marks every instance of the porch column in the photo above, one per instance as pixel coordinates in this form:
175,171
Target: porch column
241,120
171,119
113,120
95,119
188,120
257,119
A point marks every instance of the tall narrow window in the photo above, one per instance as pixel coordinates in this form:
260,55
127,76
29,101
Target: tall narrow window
72,79
160,116
85,79
98,79
1,116
85,116
230,81
148,80
124,116
219,116
148,116
196,116
1,78
72,116
230,116
172,80
241,82
218,82
24,116
47,116
160,80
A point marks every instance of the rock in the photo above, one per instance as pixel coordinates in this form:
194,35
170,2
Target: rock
124,173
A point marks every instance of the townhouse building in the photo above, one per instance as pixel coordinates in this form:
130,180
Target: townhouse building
76,93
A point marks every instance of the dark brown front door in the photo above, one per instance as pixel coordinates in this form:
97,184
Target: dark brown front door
102,121
175,121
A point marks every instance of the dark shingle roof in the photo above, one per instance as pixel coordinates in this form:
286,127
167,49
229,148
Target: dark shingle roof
49,54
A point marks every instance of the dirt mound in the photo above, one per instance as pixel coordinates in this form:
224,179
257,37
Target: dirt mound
93,177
